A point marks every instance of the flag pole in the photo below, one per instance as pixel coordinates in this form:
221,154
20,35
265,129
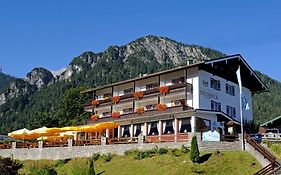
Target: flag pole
240,102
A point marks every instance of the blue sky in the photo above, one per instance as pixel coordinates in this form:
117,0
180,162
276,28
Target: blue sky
51,33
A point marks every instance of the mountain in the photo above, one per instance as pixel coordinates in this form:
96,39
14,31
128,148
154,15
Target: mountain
42,99
5,80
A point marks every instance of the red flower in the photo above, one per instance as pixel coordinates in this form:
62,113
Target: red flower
140,110
115,99
115,114
95,102
95,117
161,107
164,89
138,95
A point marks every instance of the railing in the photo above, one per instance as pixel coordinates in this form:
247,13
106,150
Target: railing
180,137
87,142
5,145
27,145
61,143
229,138
146,113
271,158
146,93
128,140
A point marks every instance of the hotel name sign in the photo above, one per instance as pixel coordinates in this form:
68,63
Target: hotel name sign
209,95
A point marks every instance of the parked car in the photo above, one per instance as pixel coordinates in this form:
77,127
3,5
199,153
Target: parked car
256,137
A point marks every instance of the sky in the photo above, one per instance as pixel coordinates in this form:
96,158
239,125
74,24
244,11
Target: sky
51,33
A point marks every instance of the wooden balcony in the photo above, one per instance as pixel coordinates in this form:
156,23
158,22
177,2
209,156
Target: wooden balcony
147,113
147,94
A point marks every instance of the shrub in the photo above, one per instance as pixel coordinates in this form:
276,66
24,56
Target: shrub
142,155
183,149
107,157
8,166
194,153
162,151
132,152
175,152
61,162
43,171
91,168
96,156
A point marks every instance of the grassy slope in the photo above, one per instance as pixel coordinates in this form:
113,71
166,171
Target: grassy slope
218,164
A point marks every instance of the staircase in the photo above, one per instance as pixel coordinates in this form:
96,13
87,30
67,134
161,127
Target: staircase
274,167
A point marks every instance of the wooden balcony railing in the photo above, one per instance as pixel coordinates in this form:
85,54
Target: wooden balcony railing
152,112
87,142
59,143
27,145
147,93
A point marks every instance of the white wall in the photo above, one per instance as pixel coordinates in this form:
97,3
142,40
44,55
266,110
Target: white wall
192,78
206,94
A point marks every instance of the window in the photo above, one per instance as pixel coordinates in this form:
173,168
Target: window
230,89
185,125
215,84
215,106
151,85
126,131
128,111
128,91
153,129
231,111
150,107
106,114
107,95
168,129
178,80
202,125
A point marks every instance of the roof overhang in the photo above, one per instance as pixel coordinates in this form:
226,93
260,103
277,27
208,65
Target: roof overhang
271,121
226,67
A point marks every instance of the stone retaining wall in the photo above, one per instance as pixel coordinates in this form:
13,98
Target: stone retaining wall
55,153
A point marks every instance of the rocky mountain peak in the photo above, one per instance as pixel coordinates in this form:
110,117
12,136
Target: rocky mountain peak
39,77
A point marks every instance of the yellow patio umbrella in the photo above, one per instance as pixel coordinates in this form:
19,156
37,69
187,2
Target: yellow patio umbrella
37,132
53,130
20,134
106,125
89,128
70,128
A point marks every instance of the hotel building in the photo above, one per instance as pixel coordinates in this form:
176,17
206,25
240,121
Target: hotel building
167,105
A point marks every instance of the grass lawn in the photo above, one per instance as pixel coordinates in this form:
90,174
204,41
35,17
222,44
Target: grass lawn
222,163
275,147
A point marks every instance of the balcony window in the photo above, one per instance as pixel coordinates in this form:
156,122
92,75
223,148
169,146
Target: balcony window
107,95
151,85
106,114
179,80
128,111
150,106
128,91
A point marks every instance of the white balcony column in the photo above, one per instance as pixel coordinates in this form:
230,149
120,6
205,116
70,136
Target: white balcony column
145,129
119,131
176,129
107,133
132,130
193,124
160,129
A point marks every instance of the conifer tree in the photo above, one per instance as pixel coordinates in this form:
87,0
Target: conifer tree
194,152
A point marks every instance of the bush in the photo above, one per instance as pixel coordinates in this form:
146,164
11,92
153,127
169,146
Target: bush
194,153
91,168
175,152
42,171
8,166
183,149
96,156
162,151
61,162
142,155
107,157
132,152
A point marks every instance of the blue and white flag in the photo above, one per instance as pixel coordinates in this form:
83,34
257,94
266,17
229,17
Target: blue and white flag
245,104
